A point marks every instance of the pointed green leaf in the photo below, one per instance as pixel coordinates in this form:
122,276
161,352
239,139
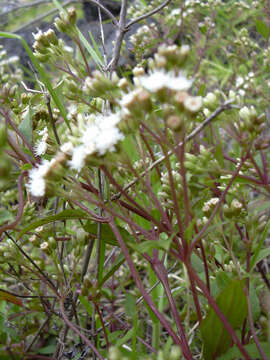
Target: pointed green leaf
262,28
258,253
233,304
25,126
107,234
64,215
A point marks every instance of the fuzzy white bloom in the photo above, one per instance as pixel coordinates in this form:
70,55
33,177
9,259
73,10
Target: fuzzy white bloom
100,136
67,148
37,184
41,146
159,80
78,158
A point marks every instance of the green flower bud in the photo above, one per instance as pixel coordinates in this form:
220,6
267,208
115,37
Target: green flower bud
210,101
52,39
60,25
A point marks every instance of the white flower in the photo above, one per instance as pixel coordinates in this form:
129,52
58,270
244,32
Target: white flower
44,246
236,204
99,136
159,80
38,35
78,158
193,103
239,81
37,184
67,148
41,146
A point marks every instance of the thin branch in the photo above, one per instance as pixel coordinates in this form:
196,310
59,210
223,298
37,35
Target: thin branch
103,8
150,13
119,37
82,336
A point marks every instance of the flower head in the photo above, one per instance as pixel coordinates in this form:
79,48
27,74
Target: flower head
159,79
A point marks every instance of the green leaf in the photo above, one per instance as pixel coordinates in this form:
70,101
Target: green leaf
86,304
26,167
64,215
25,126
5,216
130,305
107,234
262,29
50,349
255,302
117,263
234,353
233,304
260,254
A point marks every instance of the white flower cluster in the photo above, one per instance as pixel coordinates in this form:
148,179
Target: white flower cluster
210,204
97,137
37,183
159,79
41,146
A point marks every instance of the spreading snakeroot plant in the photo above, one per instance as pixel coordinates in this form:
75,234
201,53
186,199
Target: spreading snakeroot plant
134,219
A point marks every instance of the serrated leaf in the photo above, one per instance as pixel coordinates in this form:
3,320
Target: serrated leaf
25,126
63,215
233,304
262,29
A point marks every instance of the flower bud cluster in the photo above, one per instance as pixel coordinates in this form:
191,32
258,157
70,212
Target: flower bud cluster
201,163
143,40
66,23
10,76
99,85
244,40
250,122
165,195
8,252
209,206
244,83
233,210
48,48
